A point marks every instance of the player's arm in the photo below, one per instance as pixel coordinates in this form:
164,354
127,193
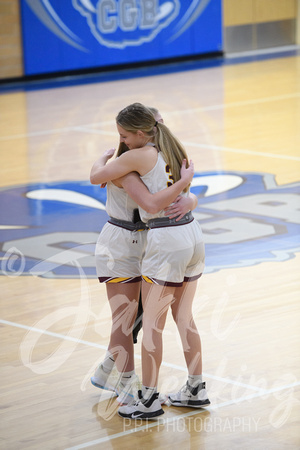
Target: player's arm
126,163
153,203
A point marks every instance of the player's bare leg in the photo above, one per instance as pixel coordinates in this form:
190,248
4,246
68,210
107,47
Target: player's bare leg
193,393
183,317
123,300
156,302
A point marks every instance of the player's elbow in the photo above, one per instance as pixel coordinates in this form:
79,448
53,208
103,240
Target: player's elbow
94,179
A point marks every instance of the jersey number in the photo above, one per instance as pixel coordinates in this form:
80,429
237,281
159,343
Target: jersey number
171,178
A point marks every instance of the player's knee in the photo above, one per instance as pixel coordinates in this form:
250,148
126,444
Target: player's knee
182,321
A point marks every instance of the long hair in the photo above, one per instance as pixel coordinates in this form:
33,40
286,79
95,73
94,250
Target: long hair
137,117
154,111
123,147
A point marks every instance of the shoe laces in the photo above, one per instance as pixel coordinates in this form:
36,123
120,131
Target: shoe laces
185,389
192,390
139,399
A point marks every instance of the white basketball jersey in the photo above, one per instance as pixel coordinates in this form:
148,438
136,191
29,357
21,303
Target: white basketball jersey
156,180
118,204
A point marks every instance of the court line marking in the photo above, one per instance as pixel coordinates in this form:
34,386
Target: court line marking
104,347
275,98
180,417
213,107
85,129
242,151
192,110
35,134
260,393
209,146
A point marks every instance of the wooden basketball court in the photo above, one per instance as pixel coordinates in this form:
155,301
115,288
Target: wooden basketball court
239,120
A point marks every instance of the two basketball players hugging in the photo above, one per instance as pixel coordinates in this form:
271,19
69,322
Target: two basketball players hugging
161,254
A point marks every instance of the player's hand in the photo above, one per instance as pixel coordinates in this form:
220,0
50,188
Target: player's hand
179,208
187,173
109,153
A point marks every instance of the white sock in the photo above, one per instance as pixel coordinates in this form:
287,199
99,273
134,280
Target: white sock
126,377
108,362
147,392
194,380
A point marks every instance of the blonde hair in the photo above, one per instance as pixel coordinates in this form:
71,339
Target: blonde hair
153,110
122,146
137,117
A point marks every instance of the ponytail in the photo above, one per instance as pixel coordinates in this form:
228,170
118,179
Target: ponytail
172,150
137,117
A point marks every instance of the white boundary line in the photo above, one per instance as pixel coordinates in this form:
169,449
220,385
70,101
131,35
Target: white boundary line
50,333
83,129
191,110
260,393
174,419
242,151
86,129
103,347
190,144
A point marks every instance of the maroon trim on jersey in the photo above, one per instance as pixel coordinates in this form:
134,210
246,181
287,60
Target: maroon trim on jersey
196,277
170,283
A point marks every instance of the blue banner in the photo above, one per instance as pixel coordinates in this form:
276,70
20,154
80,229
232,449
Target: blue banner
79,34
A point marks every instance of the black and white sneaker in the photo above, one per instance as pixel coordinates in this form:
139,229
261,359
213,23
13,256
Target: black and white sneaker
194,397
142,409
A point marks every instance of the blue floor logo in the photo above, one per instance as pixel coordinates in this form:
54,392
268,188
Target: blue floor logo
50,230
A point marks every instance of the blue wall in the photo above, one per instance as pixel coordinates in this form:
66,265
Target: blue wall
63,35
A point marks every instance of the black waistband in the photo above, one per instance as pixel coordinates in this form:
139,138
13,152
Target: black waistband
166,222
138,226
158,222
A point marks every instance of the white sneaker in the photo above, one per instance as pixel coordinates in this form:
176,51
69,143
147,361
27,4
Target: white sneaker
162,398
142,409
104,380
128,393
188,396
